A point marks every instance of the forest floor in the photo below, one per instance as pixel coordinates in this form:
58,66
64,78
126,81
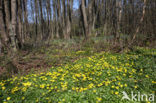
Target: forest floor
70,73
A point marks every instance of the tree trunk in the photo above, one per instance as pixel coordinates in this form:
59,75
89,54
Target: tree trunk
3,35
26,26
42,20
84,18
7,15
91,16
64,18
141,20
0,47
20,34
36,20
119,14
58,19
13,34
68,20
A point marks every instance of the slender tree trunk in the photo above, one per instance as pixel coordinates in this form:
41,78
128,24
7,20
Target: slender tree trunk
48,19
84,17
13,34
26,26
119,15
7,5
20,22
132,16
90,16
55,27
114,18
3,35
64,18
36,20
42,20
0,47
141,20
58,19
68,21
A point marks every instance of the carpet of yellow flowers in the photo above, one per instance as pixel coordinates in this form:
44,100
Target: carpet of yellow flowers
98,78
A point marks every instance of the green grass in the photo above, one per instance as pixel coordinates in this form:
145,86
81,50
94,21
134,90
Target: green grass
101,77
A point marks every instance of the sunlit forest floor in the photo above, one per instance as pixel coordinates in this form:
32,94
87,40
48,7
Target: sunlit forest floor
70,73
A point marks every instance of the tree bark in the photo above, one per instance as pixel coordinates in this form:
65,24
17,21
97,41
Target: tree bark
13,34
141,20
42,20
58,19
7,15
68,21
119,15
20,26
3,35
84,18
26,26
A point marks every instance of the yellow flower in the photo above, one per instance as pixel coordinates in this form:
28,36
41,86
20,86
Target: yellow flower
55,87
37,100
113,86
135,81
2,84
84,88
99,99
135,87
27,84
47,98
3,88
8,98
73,88
52,80
146,76
90,85
117,87
14,90
94,91
63,100
112,92
24,89
125,85
116,93
99,85
42,86
121,85
23,98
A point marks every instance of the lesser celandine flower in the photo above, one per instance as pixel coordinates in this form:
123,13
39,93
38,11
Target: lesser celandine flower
147,76
116,93
117,87
8,98
125,85
23,98
135,87
113,86
3,88
98,99
94,91
121,85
